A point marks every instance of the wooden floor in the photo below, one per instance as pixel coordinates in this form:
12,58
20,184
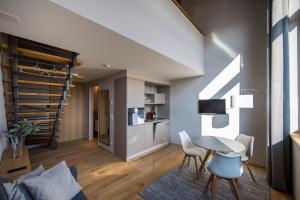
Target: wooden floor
102,175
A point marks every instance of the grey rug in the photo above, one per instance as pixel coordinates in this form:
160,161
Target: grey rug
183,185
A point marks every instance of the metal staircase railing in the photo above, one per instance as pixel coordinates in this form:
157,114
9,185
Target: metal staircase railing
63,98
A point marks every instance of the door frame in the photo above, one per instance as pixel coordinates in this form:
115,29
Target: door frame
90,120
91,110
99,116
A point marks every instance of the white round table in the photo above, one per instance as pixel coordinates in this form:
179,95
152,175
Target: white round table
217,144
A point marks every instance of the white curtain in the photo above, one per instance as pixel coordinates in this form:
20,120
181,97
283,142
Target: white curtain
283,96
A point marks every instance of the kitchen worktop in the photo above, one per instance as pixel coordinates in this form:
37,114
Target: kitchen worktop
155,120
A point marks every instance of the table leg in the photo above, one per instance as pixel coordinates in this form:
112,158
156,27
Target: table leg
204,160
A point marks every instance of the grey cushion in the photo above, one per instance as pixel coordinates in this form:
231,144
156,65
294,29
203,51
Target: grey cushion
17,190
55,183
38,171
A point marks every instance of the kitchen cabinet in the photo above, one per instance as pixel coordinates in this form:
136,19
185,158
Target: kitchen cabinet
143,138
162,132
159,98
150,89
135,139
166,131
135,93
149,135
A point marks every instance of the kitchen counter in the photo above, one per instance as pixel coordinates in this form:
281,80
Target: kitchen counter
155,120
147,137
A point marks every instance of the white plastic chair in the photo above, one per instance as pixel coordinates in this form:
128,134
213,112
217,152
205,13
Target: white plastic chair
225,166
248,142
190,150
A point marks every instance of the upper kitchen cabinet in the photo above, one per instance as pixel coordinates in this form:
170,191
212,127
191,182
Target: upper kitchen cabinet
135,93
160,98
152,96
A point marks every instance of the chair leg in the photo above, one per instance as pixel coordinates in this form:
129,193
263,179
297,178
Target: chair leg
197,173
231,187
201,161
189,160
204,160
214,184
250,171
209,181
182,163
235,190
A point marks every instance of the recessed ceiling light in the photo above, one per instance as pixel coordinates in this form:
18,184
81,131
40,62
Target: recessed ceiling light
106,66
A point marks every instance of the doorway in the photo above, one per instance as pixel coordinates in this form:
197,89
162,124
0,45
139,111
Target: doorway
95,112
104,117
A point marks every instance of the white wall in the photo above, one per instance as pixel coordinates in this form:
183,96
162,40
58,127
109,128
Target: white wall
156,24
72,126
232,28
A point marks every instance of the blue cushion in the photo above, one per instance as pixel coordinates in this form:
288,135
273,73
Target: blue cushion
80,196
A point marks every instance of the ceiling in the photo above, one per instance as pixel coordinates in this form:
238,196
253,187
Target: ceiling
46,22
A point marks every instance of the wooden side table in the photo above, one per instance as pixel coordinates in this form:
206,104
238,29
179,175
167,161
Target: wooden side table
10,168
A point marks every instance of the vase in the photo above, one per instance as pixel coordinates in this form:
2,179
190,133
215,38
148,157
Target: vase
20,146
14,144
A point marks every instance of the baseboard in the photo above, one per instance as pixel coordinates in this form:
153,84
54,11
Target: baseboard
147,151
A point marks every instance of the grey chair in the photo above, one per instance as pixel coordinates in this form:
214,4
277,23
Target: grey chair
224,166
248,142
190,150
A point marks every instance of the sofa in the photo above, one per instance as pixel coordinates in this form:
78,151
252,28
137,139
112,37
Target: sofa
73,170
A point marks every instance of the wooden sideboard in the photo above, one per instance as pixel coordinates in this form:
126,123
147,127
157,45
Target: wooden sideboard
11,168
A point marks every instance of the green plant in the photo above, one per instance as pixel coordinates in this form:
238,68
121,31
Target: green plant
22,129
17,133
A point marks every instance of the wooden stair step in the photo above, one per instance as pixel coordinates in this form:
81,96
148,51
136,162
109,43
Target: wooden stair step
36,120
37,104
39,83
47,71
35,113
41,137
41,134
45,126
37,94
41,55
36,117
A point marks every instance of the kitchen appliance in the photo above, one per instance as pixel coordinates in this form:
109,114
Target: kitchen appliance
149,116
136,116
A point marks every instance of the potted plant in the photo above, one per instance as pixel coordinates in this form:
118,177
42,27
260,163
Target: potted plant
17,135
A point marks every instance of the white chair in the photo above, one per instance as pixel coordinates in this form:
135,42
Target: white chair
248,142
224,166
190,150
